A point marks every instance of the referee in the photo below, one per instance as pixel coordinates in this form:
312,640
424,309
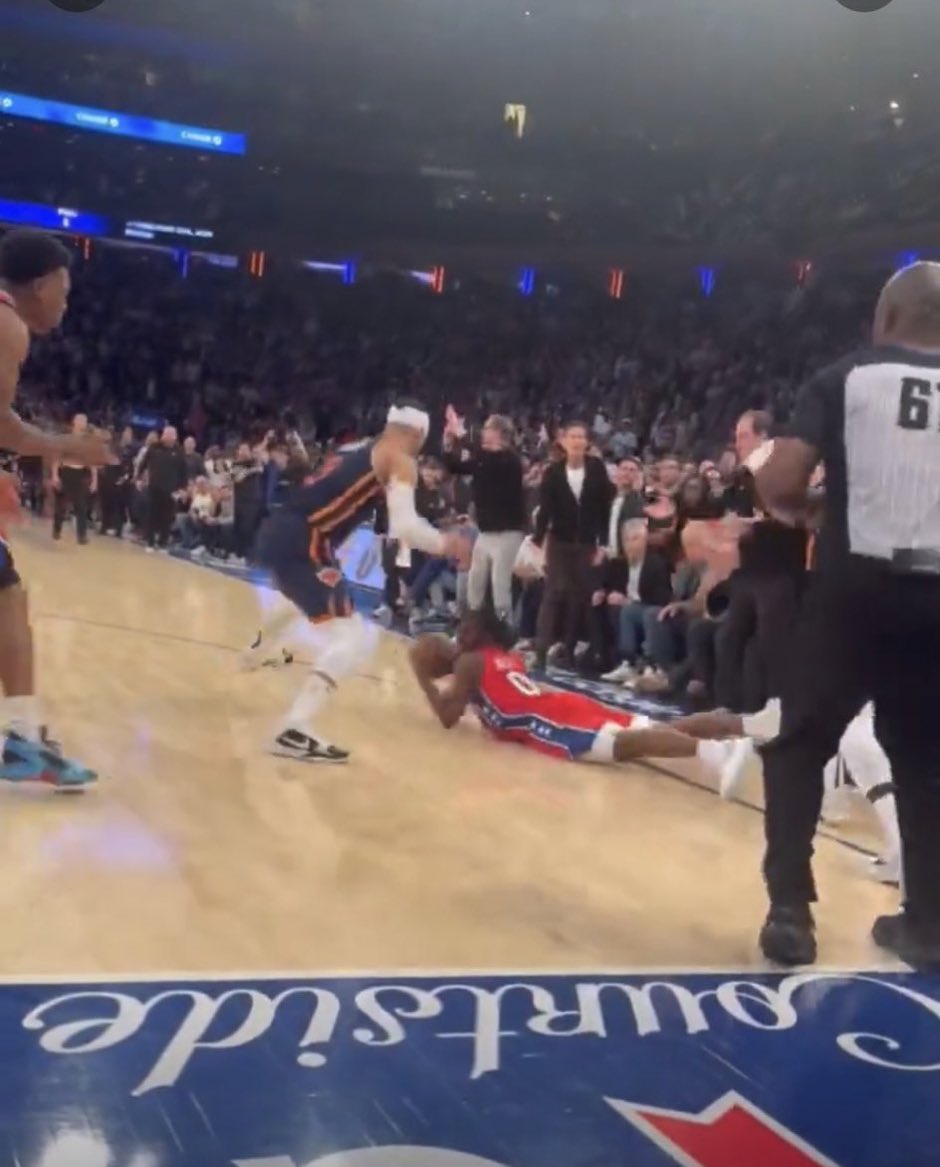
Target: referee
870,624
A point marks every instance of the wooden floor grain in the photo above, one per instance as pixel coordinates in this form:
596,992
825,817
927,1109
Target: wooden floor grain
430,850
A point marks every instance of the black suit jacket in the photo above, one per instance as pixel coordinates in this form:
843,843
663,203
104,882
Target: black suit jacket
572,520
655,578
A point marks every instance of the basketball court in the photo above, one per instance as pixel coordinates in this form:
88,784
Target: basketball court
450,944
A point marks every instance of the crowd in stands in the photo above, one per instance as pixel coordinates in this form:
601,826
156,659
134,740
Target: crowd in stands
215,384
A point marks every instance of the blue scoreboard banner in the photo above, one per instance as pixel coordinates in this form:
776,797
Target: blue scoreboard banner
607,1070
125,125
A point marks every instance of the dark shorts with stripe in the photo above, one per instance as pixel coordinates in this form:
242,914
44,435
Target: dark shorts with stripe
9,576
316,586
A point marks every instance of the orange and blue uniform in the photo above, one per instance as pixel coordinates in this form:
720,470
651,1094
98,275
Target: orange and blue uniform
298,542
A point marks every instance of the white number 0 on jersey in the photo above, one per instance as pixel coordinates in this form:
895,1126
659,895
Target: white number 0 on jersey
523,684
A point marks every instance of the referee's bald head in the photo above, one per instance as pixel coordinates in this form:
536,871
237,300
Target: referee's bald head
908,310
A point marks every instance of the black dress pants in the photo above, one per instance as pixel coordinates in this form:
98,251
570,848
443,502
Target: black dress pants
113,501
160,513
566,594
864,634
755,637
75,491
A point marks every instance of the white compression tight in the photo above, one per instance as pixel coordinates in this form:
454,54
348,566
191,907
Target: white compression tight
342,646
866,761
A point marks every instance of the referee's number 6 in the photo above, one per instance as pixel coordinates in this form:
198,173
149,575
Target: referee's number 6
916,403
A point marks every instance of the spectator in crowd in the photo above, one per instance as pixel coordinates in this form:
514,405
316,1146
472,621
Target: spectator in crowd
195,464
424,572
496,474
164,467
573,513
195,525
628,503
631,590
248,486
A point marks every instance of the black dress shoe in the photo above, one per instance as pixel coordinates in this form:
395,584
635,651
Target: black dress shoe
916,946
788,936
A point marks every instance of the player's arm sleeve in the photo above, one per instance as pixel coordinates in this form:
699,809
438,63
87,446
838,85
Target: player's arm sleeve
783,480
404,522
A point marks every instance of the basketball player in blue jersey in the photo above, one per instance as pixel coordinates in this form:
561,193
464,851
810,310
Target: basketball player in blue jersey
298,544
34,289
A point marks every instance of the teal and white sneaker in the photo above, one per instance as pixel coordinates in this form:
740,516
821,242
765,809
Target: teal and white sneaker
29,761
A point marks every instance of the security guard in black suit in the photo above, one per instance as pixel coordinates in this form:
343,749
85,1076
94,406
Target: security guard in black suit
870,625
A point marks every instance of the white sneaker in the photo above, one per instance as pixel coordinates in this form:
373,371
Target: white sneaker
764,725
727,760
252,659
384,615
620,675
732,772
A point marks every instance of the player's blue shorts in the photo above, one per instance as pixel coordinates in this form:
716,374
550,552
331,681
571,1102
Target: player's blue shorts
316,586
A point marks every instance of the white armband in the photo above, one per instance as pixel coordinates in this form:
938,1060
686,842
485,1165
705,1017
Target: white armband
404,522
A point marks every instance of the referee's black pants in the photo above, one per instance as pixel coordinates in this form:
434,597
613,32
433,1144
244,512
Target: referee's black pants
864,634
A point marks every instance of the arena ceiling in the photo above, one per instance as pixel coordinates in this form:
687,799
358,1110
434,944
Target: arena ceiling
413,83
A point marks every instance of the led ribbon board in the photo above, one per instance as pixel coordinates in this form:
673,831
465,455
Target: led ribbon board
124,125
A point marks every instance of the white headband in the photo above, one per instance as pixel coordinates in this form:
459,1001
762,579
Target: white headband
409,416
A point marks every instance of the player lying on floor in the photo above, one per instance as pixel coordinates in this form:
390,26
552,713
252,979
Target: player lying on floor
479,671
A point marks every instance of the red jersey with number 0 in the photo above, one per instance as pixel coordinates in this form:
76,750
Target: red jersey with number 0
514,708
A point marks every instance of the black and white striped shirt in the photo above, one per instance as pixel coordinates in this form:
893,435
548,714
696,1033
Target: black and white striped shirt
874,417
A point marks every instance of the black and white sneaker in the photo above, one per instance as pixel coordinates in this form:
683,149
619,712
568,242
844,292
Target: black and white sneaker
292,743
256,657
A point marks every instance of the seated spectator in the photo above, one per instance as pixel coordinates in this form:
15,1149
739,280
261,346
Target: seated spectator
631,589
195,526
628,503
